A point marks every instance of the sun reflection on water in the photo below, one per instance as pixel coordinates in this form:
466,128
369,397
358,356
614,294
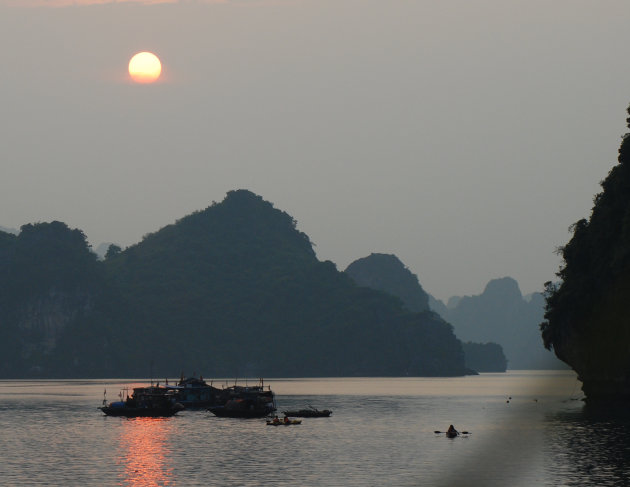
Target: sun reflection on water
144,452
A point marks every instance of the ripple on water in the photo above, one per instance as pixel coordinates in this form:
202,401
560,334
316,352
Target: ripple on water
372,438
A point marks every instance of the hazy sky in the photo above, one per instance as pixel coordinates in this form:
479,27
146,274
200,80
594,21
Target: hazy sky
464,136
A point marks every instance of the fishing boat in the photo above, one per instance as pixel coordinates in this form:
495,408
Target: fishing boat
246,402
152,401
243,408
308,413
196,393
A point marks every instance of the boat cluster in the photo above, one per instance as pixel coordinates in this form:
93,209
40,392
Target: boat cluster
235,401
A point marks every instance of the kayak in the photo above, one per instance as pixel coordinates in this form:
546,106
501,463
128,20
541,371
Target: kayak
453,434
284,423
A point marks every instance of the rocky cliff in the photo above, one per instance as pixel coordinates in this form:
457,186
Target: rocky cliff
233,290
587,318
48,281
386,272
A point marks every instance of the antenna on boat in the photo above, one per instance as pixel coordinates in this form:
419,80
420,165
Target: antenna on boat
105,397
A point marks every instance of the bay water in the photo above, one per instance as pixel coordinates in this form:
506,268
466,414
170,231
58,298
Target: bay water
524,428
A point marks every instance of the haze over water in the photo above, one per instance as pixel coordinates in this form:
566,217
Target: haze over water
463,137
381,433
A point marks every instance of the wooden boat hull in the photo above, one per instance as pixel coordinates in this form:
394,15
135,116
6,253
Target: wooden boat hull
224,412
284,423
308,413
130,412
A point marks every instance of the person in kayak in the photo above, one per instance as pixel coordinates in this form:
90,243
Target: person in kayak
452,431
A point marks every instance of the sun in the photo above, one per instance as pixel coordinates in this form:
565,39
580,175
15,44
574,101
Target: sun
145,67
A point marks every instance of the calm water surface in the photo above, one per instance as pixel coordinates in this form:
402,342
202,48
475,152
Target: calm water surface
527,428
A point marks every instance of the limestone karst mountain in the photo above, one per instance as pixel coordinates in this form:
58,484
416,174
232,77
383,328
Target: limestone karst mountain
232,290
501,314
387,273
587,319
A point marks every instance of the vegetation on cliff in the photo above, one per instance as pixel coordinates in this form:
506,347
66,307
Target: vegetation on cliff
587,322
386,272
48,279
233,290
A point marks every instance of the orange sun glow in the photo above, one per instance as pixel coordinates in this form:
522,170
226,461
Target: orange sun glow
145,67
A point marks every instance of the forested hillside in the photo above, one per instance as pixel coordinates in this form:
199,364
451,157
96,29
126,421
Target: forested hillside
587,319
387,273
233,290
49,279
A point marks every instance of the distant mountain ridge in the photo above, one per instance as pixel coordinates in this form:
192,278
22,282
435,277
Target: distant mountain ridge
233,290
503,315
500,315
387,273
9,230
